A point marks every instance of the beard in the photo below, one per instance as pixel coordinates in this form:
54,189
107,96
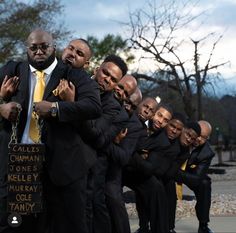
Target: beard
42,65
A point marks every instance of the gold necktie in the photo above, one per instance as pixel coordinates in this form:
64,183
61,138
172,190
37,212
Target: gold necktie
34,133
179,187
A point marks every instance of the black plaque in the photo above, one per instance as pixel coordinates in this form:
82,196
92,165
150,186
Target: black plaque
25,178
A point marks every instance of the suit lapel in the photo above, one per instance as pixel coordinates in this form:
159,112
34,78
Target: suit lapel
22,95
58,73
193,156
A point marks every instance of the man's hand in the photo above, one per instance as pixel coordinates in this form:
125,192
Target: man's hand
144,154
42,108
120,136
10,111
66,90
9,86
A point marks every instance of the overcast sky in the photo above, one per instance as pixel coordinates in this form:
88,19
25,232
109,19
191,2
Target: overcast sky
100,17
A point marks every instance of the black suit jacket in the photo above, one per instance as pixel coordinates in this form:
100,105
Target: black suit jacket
99,132
178,155
120,154
200,160
156,145
197,165
66,153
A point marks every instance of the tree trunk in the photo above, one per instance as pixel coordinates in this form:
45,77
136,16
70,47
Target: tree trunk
199,103
188,107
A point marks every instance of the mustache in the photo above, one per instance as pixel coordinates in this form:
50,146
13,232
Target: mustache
42,65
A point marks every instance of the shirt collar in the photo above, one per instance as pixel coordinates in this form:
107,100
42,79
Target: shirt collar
47,70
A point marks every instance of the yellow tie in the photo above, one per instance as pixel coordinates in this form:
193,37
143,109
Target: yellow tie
179,187
38,96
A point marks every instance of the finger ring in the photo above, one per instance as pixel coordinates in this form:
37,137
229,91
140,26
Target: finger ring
18,106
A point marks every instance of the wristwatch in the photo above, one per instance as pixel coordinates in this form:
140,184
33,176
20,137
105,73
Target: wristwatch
54,109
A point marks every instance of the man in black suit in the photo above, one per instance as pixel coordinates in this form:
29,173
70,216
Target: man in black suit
77,54
119,152
172,158
59,135
101,133
148,188
195,175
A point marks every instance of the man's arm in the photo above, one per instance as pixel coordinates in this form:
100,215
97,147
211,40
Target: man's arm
86,106
122,152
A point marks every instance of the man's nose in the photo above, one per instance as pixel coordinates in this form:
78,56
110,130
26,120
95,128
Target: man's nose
189,139
39,51
161,120
128,107
146,111
117,89
107,79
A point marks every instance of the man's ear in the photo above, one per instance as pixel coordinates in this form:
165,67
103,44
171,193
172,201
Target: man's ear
95,70
55,47
86,64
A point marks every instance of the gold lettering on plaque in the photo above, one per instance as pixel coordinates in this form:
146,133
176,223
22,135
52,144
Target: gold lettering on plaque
25,149
23,177
21,207
23,188
24,158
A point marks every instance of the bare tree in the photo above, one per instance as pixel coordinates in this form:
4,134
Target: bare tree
156,31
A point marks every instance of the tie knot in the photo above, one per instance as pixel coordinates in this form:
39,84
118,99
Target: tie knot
39,74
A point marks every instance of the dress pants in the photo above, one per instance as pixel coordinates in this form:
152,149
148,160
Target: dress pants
203,198
170,188
101,218
67,207
202,191
117,209
152,203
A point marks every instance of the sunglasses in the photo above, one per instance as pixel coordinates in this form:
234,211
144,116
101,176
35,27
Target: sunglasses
42,47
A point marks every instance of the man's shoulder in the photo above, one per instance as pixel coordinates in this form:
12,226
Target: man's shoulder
205,151
134,120
108,99
12,68
175,145
78,75
160,139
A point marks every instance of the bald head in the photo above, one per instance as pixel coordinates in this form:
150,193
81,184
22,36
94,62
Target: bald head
133,101
205,126
130,83
136,97
206,130
40,34
125,87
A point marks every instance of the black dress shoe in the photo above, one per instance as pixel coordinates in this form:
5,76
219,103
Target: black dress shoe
141,230
204,229
172,231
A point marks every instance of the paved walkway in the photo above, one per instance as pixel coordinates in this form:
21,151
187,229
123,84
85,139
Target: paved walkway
190,225
219,224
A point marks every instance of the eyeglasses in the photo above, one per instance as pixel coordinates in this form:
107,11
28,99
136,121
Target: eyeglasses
42,47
